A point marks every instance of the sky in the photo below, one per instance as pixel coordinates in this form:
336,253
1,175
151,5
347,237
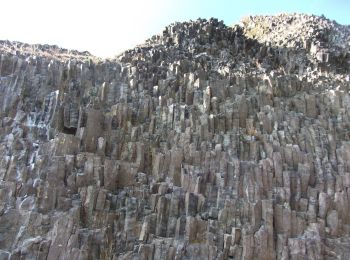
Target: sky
108,27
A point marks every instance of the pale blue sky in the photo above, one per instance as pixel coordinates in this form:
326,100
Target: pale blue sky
107,27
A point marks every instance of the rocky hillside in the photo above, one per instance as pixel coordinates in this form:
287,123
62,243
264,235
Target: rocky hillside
205,142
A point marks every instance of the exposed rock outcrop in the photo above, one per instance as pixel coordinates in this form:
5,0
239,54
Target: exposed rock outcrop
206,142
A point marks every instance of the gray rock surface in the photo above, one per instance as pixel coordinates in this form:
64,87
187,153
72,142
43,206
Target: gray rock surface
205,142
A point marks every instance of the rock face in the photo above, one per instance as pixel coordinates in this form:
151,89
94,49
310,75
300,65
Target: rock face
206,142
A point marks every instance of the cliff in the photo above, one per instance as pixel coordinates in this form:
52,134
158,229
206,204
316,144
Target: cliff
205,142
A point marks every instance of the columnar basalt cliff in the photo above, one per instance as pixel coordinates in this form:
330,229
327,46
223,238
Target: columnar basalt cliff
206,142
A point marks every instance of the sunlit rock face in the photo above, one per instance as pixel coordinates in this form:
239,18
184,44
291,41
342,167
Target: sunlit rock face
206,142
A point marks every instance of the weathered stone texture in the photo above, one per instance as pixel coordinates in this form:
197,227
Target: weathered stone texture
206,142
